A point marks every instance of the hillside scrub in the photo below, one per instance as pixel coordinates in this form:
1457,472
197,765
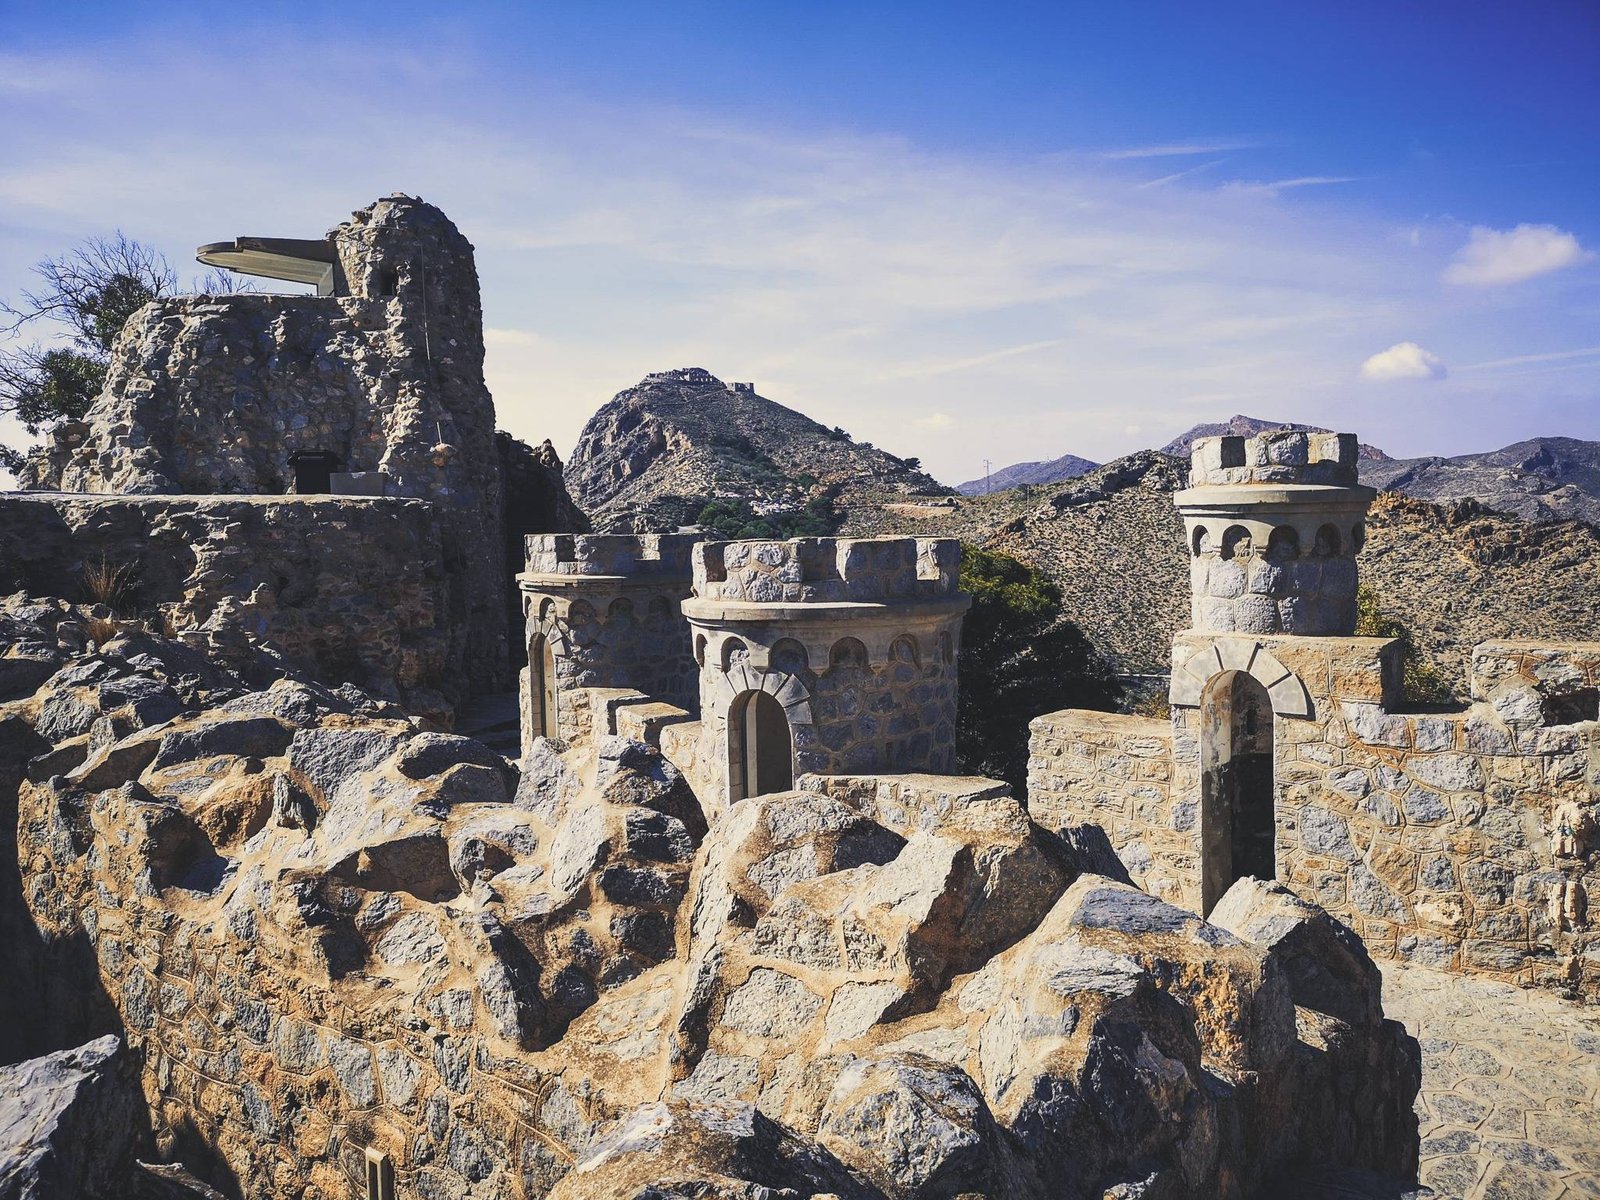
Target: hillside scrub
1020,657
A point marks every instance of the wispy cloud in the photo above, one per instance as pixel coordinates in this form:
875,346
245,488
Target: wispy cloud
1273,187
1178,149
926,370
1493,257
1520,360
1177,175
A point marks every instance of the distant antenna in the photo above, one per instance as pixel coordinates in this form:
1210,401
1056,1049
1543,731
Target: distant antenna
986,488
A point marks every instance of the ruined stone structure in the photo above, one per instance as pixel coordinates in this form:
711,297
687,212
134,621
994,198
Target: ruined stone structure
375,387
349,589
603,612
1457,839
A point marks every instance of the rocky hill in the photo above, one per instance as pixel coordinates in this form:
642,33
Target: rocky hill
1240,425
657,453
1542,479
1068,466
1456,574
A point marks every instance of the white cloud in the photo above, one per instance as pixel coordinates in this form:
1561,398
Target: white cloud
936,420
1496,256
1404,360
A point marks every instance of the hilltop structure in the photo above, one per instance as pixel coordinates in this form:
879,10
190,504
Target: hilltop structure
730,925
255,409
1464,840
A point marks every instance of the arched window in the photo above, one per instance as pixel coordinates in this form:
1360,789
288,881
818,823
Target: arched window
733,652
760,749
1327,544
1283,544
1237,542
904,650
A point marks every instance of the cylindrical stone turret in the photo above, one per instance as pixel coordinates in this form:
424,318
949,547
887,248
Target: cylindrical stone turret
825,655
602,611
1273,525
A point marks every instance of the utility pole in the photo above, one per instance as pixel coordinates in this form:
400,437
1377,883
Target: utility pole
986,488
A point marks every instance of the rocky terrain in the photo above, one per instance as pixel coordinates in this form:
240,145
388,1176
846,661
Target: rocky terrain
1068,466
334,941
1541,479
1455,574
655,454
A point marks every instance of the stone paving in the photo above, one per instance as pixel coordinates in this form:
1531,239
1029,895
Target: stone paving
1510,1103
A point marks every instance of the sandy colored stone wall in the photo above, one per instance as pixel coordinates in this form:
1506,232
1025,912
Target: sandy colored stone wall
351,589
1458,840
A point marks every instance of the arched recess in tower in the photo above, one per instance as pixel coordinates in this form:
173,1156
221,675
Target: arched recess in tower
760,748
1237,812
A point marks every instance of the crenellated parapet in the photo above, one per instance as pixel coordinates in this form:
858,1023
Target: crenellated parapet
828,570
1273,526
634,557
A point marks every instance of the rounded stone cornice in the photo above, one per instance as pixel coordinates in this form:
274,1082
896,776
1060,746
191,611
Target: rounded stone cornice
1276,498
732,613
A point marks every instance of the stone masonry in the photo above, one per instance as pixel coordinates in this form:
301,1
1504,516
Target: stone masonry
603,611
350,589
1462,840
213,394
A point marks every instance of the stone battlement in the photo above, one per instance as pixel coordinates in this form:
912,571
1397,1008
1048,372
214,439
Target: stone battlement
683,375
828,570
1281,456
645,555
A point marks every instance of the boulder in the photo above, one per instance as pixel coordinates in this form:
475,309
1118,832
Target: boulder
70,1124
1327,966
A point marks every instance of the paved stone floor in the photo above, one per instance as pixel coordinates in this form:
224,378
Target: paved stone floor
1510,1102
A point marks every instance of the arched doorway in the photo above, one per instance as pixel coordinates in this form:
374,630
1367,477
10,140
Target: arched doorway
760,750
542,669
1237,813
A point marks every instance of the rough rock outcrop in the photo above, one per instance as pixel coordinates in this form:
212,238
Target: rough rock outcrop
70,1123
332,936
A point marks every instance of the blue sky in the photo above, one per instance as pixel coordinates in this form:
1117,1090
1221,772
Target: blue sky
961,231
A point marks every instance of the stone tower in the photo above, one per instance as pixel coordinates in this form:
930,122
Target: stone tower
1273,524
823,655
603,611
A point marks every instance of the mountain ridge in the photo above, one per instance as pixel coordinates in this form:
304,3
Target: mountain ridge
656,454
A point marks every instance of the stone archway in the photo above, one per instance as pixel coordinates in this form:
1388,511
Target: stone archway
1238,826
760,746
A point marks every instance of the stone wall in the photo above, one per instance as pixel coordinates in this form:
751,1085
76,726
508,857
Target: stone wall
349,589
1458,840
212,394
822,570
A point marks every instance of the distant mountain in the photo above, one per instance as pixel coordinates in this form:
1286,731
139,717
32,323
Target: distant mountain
1068,466
656,454
1456,573
1541,479
1243,426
